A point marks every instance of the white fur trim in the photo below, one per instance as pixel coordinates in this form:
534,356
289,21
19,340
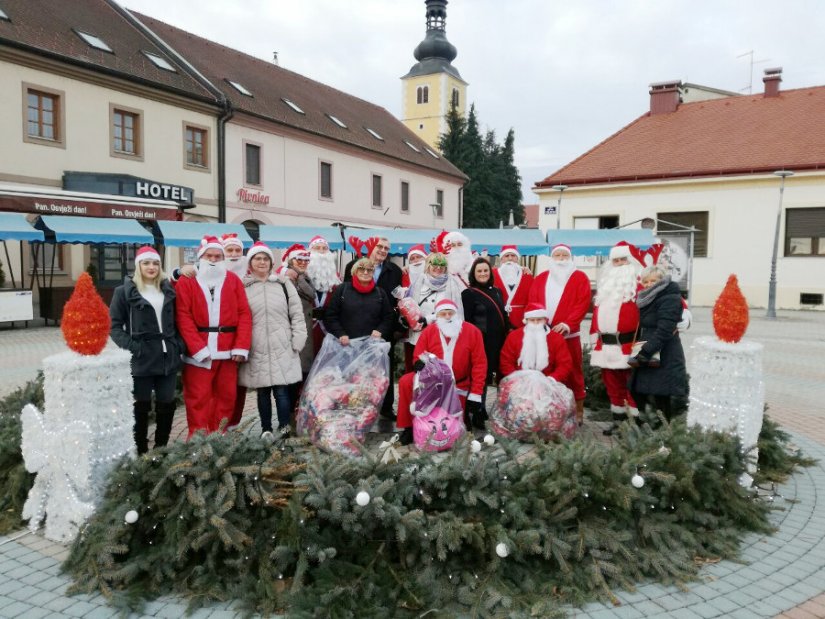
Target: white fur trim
610,357
618,410
620,251
474,397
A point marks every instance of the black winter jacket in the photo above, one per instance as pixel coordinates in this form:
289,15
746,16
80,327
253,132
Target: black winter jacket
356,314
135,328
484,308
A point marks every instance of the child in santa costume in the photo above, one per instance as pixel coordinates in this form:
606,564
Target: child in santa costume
514,283
461,346
613,330
214,320
534,346
564,291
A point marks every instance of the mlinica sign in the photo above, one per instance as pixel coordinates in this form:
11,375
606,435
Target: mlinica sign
127,185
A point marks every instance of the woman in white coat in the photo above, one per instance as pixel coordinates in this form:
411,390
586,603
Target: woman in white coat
278,334
429,288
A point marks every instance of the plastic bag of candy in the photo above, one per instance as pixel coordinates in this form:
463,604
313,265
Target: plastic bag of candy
438,417
343,393
408,308
530,405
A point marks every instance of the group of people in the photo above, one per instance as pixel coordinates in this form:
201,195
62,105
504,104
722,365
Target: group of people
235,323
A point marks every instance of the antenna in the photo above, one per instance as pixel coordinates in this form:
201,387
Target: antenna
753,62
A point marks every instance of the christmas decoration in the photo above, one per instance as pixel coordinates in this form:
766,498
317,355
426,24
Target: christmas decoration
362,498
532,405
85,322
436,409
502,550
730,313
475,446
637,481
489,439
131,517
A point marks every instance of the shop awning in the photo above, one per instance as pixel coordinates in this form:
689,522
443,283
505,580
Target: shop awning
530,242
599,242
15,227
69,229
190,233
284,236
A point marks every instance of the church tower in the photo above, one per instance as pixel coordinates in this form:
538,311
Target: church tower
433,84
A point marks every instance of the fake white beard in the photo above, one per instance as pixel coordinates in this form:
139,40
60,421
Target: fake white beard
510,273
449,328
561,270
416,270
322,271
210,273
534,355
238,266
459,261
617,284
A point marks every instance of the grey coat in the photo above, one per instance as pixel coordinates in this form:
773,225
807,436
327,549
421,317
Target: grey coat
278,333
307,295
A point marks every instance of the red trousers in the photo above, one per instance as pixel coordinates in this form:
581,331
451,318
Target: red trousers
615,381
237,412
209,394
405,396
575,381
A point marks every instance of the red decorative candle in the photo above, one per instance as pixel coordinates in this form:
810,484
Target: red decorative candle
85,322
730,313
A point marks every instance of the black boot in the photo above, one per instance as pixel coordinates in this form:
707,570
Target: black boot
141,428
164,412
405,437
479,418
618,418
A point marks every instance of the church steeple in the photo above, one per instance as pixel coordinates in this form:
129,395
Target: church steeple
435,44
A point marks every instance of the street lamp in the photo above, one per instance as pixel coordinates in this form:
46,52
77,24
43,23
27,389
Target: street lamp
560,189
782,174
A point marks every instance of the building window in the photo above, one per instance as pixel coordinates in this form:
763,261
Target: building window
422,94
376,190
94,41
196,147
252,163
160,62
325,177
42,255
604,222
455,98
439,201
805,232
43,116
126,132
405,197
697,219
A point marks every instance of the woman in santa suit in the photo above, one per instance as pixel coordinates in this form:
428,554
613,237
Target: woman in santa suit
536,347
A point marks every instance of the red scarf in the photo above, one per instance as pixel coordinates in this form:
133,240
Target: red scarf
363,288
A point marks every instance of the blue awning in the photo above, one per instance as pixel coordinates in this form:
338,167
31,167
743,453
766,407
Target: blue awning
190,233
15,227
530,242
599,242
69,229
285,236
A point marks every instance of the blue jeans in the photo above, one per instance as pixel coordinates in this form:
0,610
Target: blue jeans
283,404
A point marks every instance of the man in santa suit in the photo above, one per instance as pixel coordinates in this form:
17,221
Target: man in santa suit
416,256
460,345
322,273
459,255
613,330
534,346
514,283
564,291
214,320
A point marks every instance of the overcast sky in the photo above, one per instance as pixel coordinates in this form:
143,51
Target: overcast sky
564,75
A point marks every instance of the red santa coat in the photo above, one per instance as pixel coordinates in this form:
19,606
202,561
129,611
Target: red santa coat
621,324
559,363
469,362
574,301
517,301
230,308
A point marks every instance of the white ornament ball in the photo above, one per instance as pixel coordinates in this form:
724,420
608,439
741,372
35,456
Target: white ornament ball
489,439
475,446
362,498
131,517
637,480
502,550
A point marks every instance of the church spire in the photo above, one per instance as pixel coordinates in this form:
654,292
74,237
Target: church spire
435,53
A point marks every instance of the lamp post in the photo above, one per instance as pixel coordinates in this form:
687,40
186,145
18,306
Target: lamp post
782,174
560,189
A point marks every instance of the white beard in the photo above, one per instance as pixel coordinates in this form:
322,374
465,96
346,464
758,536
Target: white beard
510,273
459,261
415,270
322,271
534,354
617,284
561,270
211,274
238,266
449,328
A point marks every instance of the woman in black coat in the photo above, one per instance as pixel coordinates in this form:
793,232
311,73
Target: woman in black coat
359,308
663,376
484,308
143,322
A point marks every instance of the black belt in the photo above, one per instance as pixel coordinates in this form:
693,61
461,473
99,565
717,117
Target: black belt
618,338
217,329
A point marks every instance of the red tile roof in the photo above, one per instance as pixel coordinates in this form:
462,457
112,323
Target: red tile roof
531,215
730,136
270,84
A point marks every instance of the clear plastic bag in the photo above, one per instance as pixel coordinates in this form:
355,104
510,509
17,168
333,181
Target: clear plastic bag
408,308
531,404
343,393
438,418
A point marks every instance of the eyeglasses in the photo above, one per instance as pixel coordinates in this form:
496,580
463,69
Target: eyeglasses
366,269
384,247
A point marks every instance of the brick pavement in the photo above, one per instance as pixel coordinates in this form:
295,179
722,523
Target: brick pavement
780,576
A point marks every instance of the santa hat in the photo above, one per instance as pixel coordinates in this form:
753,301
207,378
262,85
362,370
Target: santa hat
259,248
535,310
317,240
209,242
510,249
446,304
417,250
620,250
147,252
231,238
295,251
563,247
451,238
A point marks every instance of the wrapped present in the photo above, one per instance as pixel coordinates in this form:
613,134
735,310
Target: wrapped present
531,404
438,417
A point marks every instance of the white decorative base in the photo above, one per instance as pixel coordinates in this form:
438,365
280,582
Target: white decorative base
727,393
86,428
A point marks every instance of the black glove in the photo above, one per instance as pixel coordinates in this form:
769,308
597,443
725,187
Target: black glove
422,321
403,321
418,365
318,313
472,408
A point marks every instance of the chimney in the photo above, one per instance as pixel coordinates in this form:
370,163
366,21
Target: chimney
772,79
665,97
275,59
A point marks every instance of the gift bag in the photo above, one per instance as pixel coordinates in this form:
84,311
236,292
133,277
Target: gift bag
531,404
343,393
438,417
408,308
